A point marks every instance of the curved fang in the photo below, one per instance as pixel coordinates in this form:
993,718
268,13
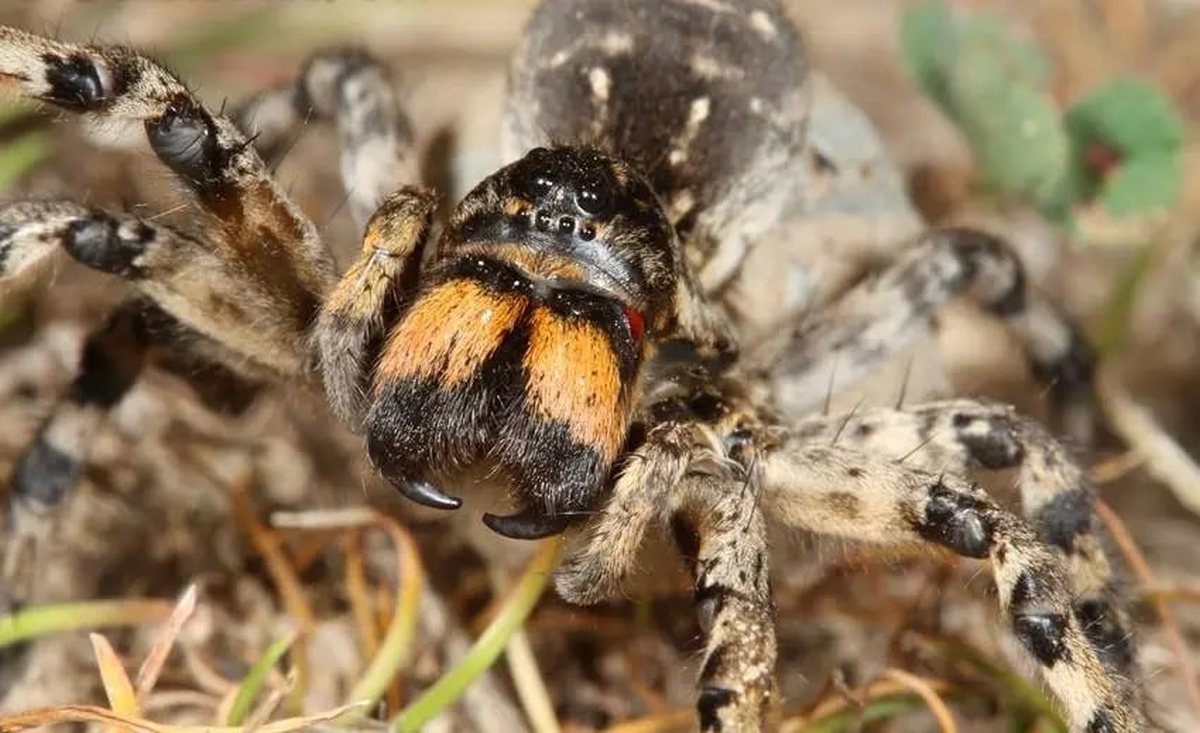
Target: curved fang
425,493
527,525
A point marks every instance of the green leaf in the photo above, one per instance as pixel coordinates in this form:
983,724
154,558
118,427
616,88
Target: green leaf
1137,123
254,680
37,621
994,85
1128,114
926,34
1143,184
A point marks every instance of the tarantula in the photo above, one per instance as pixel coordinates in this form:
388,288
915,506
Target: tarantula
566,335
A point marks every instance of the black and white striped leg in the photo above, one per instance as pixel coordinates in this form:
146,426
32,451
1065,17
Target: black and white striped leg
43,477
845,492
881,316
179,271
719,528
678,476
255,225
111,361
355,92
960,436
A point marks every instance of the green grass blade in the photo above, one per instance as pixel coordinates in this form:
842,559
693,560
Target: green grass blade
253,682
487,648
40,621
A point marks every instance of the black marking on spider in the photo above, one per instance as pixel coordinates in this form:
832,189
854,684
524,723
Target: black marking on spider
708,600
955,520
1065,517
1043,634
1070,376
44,474
710,702
1101,722
185,139
6,235
979,246
993,448
75,82
98,243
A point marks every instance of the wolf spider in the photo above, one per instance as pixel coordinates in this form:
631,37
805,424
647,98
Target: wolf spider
567,335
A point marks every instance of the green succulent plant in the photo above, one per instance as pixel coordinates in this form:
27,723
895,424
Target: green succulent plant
1120,145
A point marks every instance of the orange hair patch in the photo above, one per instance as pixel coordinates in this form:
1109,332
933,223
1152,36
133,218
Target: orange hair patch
574,378
448,333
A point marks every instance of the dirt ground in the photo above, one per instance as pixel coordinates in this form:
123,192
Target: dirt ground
174,493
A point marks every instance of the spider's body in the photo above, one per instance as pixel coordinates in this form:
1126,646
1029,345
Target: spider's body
522,345
657,142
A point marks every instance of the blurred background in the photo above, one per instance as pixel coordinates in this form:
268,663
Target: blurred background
1066,125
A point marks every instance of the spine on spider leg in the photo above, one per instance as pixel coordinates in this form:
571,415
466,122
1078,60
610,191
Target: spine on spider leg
356,313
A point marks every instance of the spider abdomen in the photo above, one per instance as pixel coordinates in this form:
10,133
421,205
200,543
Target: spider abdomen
490,364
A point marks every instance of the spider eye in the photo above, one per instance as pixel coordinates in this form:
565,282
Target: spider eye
541,185
593,200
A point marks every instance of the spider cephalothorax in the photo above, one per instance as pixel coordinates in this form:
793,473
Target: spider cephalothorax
522,345
527,345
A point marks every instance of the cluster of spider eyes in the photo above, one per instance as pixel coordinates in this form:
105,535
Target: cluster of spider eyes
592,201
566,225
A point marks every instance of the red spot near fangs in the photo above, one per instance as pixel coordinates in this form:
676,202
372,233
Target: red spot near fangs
637,324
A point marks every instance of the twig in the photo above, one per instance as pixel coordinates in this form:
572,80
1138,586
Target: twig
359,595
1187,592
283,576
349,518
876,692
1165,460
1115,468
675,720
148,673
96,714
531,687
117,687
527,678
396,648
937,706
